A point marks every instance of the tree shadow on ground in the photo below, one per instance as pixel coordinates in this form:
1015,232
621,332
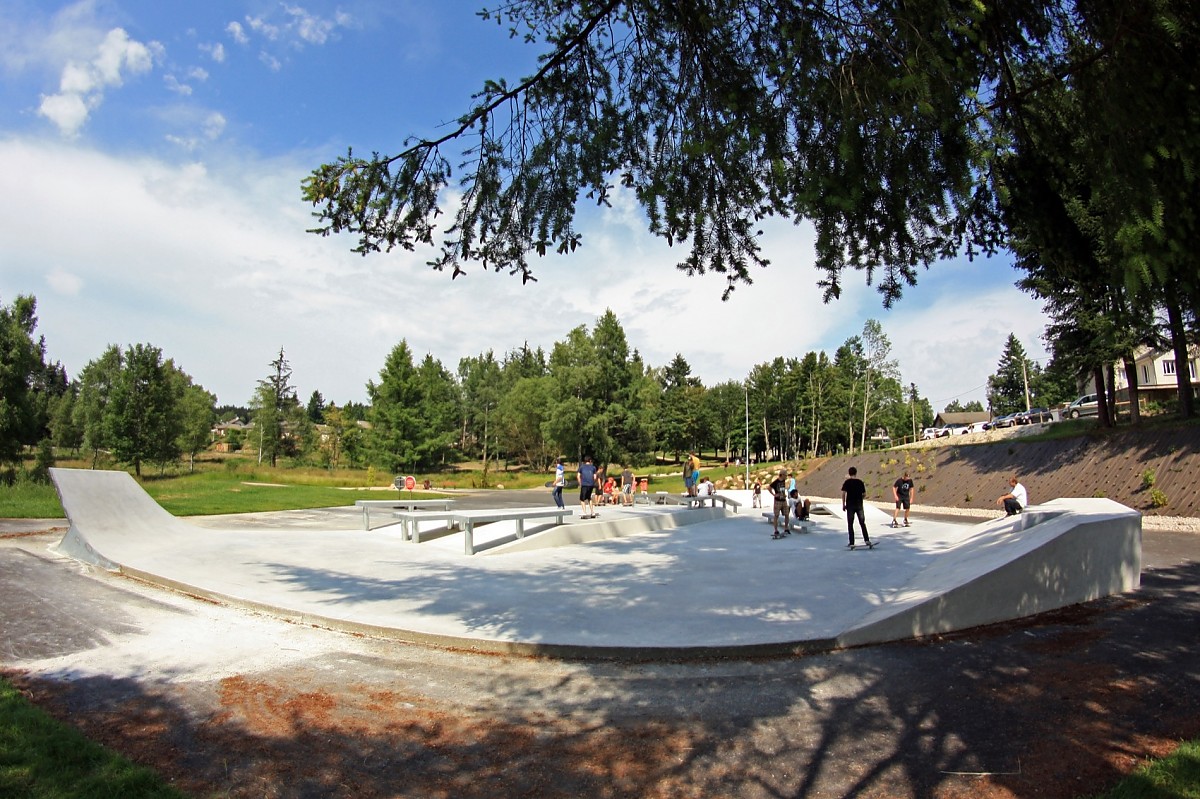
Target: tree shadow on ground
1058,705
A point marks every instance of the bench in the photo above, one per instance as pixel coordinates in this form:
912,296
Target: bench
466,520
399,504
698,502
793,522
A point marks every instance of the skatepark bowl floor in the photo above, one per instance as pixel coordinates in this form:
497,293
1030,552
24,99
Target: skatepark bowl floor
646,582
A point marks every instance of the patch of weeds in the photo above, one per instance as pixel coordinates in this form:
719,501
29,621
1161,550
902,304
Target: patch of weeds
1157,498
921,468
1100,493
1148,479
968,498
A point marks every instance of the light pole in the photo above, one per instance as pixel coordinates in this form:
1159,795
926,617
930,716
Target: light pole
746,450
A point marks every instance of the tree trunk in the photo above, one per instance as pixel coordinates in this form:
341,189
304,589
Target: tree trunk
1187,405
1110,372
1131,379
1102,410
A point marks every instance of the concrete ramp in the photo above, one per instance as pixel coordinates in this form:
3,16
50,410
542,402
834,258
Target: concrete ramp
1061,553
107,509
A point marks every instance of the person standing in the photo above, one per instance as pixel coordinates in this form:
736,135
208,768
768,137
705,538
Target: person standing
854,491
587,486
688,468
1016,499
756,497
778,489
560,480
902,491
627,480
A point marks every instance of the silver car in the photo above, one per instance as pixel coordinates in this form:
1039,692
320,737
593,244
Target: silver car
1084,406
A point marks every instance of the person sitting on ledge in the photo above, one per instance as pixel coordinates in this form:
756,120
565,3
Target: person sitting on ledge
1015,500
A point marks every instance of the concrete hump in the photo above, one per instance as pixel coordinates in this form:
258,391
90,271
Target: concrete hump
1061,553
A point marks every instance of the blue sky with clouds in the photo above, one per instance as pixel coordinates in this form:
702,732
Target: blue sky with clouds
151,156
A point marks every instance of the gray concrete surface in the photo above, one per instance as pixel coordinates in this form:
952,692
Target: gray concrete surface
653,582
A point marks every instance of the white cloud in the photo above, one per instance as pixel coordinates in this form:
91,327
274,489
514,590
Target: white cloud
237,33
198,74
214,125
67,111
63,282
260,26
271,62
215,51
83,82
172,83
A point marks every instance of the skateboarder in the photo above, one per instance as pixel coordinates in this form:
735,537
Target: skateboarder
853,493
902,492
778,490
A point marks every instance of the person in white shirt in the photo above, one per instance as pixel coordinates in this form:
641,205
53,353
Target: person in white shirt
705,488
1016,499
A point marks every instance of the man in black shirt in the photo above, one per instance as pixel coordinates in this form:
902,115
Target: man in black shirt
902,491
853,492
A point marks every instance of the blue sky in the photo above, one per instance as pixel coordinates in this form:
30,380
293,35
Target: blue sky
151,156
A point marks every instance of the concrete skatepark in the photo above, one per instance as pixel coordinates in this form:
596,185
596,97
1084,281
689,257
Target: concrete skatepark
648,582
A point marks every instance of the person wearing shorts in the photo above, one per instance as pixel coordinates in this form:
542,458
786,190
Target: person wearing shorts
902,492
778,490
587,486
627,481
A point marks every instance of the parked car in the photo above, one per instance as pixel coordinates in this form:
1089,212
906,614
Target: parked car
977,427
1007,420
1033,416
929,433
1083,406
952,429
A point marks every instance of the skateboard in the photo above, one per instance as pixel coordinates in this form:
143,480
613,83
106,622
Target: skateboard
896,526
871,545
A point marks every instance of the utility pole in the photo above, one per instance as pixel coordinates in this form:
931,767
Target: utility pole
912,406
1025,375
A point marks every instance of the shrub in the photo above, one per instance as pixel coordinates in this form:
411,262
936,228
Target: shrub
1157,498
1148,478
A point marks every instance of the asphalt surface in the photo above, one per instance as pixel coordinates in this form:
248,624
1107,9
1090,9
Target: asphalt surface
921,719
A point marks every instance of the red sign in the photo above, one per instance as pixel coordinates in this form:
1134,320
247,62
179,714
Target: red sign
410,482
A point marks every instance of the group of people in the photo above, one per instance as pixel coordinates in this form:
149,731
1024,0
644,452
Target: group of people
854,493
787,502
595,488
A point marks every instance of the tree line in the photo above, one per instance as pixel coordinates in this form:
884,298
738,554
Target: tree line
591,394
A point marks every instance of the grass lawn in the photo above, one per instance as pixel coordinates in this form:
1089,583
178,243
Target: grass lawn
43,758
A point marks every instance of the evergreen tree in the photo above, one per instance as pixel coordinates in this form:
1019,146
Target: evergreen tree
1006,388
316,408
